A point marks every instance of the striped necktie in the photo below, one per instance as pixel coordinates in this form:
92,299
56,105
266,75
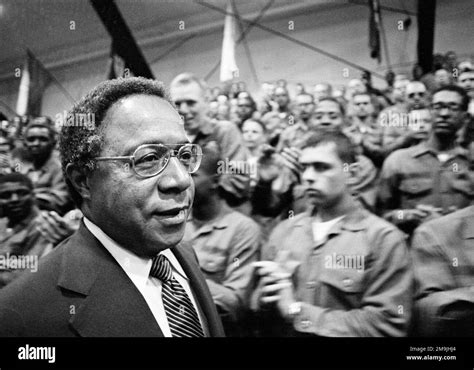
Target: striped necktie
182,316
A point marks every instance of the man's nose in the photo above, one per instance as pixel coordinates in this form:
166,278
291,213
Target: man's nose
309,176
175,178
14,197
445,112
183,108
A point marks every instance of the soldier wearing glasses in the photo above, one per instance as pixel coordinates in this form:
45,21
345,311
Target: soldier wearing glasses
123,273
430,179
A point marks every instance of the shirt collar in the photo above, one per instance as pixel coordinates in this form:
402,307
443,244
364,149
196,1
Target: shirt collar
137,268
220,222
47,165
355,220
423,148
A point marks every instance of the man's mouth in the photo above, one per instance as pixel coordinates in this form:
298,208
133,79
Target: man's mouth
443,125
172,216
312,193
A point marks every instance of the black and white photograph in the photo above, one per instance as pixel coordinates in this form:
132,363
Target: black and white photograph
290,181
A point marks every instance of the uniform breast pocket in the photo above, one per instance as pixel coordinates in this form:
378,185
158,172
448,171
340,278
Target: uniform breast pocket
212,259
341,289
416,187
462,183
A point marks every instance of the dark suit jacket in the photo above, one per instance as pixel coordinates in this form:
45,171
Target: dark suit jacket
80,290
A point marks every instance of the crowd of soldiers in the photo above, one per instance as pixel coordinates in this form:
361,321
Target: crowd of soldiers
340,211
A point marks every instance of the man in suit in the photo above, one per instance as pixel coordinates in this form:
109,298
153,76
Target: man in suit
123,273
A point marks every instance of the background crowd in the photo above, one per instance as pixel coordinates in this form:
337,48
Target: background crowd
358,199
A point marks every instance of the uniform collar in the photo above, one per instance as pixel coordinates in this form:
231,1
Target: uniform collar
423,148
219,222
355,220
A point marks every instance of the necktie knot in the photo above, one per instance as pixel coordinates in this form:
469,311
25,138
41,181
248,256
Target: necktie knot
161,268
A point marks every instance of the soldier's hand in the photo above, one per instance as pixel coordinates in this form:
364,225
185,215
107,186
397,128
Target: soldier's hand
53,227
432,212
275,285
290,159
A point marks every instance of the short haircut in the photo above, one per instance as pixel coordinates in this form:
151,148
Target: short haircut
334,100
358,93
457,89
78,145
262,125
285,90
326,84
187,78
16,177
249,98
345,148
306,94
42,122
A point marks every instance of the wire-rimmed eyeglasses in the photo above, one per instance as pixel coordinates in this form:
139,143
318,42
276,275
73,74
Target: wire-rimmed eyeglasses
151,159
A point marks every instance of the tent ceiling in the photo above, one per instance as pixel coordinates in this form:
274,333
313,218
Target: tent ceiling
44,26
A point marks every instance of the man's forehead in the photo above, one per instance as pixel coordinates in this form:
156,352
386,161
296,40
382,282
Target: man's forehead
400,84
415,87
328,106
321,87
142,119
361,98
466,75
321,153
37,131
304,99
188,91
280,91
10,185
447,96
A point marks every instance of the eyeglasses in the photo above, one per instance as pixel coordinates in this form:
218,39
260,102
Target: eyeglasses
151,159
440,106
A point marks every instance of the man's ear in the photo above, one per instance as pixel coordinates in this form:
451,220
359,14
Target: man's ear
215,181
466,119
78,180
352,171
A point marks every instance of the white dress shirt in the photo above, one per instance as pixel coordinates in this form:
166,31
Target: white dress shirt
138,270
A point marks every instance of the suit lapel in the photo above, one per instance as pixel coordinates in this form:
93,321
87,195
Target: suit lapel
112,305
200,289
